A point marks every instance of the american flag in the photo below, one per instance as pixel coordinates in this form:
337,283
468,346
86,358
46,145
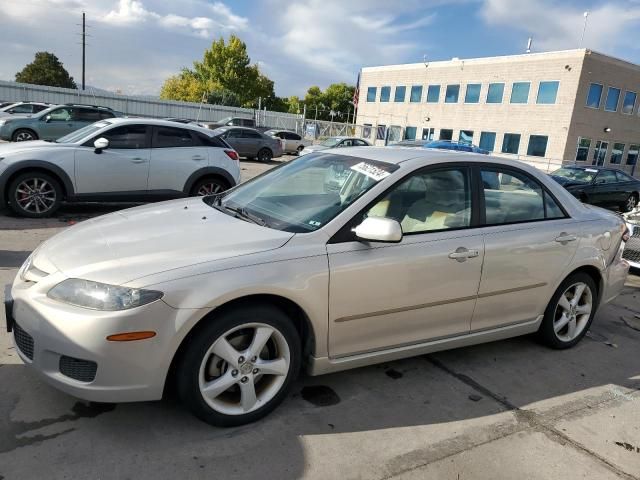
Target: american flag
356,92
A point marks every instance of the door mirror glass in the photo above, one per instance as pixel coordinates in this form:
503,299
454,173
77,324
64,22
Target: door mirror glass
100,144
47,118
379,229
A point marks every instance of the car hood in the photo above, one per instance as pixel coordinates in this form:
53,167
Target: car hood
19,147
123,246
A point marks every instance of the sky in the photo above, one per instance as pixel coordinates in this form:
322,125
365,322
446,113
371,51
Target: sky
134,45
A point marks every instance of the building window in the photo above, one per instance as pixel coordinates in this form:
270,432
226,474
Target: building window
446,134
511,143
487,141
366,130
583,149
632,155
629,102
371,94
410,133
416,93
547,92
594,96
466,136
495,93
473,93
385,94
400,95
433,94
452,93
520,92
381,132
616,153
611,103
537,145
600,152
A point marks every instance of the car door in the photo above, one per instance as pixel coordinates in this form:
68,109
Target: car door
57,123
529,241
122,167
385,295
176,153
604,190
252,141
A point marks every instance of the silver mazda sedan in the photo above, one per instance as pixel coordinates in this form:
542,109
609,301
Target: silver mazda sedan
332,261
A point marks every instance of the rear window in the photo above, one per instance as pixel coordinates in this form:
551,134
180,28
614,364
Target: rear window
208,141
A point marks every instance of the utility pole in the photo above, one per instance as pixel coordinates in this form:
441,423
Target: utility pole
84,43
584,28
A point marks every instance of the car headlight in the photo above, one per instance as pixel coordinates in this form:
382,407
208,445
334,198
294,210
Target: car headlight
100,296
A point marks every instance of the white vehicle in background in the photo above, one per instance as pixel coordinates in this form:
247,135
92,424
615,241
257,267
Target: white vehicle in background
118,159
335,142
291,141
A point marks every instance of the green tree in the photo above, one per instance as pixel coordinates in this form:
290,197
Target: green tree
314,101
338,97
225,68
294,104
46,69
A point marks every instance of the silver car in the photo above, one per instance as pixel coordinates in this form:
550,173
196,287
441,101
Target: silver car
332,261
250,143
291,141
335,142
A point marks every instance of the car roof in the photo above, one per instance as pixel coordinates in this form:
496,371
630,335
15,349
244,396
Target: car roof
157,122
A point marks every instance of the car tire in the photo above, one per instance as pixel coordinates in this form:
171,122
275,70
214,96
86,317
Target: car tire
299,150
208,186
222,387
24,135
34,194
265,155
566,320
630,204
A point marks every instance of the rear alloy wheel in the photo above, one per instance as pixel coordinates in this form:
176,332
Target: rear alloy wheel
300,148
23,135
570,312
265,155
240,366
208,186
631,203
35,195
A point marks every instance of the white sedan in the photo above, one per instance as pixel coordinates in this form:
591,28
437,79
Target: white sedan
332,261
120,159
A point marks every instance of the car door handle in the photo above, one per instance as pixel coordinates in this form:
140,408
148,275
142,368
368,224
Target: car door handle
565,237
461,254
197,158
138,160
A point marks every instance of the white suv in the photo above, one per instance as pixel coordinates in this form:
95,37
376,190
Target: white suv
118,159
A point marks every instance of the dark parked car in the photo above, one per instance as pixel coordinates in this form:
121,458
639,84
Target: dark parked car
456,146
605,187
250,143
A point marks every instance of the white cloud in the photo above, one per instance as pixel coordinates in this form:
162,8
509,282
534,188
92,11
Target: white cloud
558,25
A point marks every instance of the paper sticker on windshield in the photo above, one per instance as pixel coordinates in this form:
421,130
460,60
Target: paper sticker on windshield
314,223
590,170
370,171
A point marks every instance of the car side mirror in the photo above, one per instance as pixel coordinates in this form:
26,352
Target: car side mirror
47,119
100,144
379,229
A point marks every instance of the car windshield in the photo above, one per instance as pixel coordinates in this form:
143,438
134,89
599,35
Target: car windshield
81,134
225,120
303,195
585,175
330,142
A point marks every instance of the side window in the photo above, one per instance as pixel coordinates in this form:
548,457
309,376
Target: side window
86,115
428,201
292,136
208,141
346,143
125,137
623,177
606,176
39,108
513,197
61,115
250,134
105,114
168,137
21,109
234,133
360,143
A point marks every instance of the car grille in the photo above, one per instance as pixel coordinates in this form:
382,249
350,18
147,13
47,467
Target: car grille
81,370
632,247
24,341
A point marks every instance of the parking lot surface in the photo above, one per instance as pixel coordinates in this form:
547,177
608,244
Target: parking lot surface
504,410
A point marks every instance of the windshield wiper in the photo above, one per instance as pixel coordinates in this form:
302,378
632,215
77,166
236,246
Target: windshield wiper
239,212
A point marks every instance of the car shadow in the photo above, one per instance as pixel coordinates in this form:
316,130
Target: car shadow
326,417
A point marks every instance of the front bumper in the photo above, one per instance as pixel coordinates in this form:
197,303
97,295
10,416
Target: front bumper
67,345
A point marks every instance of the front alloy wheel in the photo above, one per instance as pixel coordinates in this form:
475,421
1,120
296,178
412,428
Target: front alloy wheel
24,136
240,366
631,203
